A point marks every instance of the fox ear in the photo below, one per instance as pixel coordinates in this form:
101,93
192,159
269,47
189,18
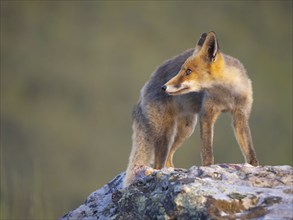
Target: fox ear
201,40
210,47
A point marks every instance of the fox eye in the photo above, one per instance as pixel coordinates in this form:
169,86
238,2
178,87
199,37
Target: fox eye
188,71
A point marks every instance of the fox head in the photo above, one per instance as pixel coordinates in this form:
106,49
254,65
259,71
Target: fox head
200,70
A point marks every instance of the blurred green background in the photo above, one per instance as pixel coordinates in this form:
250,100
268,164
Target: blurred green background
71,72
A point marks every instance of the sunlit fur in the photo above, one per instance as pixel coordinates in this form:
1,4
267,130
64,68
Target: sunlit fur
205,75
201,81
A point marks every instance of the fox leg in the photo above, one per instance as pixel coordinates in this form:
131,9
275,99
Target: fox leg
243,135
141,153
207,121
177,143
161,152
163,145
185,127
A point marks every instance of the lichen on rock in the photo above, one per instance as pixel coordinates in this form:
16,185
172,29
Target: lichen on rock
225,191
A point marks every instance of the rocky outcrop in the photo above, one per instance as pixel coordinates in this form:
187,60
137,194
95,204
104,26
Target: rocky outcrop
225,191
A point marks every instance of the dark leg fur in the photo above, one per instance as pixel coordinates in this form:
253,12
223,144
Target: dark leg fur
161,152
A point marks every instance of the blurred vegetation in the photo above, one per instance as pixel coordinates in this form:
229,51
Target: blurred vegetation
71,72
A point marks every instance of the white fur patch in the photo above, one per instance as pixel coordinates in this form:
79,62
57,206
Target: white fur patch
234,77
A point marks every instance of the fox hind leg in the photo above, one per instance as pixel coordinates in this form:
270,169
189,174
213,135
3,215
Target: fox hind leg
141,153
185,127
163,145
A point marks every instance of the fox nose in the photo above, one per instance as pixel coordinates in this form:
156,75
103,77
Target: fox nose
164,87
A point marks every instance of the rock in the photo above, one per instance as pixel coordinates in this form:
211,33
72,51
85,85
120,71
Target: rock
225,191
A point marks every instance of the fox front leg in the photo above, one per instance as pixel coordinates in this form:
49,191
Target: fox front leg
243,136
207,121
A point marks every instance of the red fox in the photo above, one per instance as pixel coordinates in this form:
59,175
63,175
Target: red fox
201,81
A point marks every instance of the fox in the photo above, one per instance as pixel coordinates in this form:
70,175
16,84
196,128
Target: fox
201,82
